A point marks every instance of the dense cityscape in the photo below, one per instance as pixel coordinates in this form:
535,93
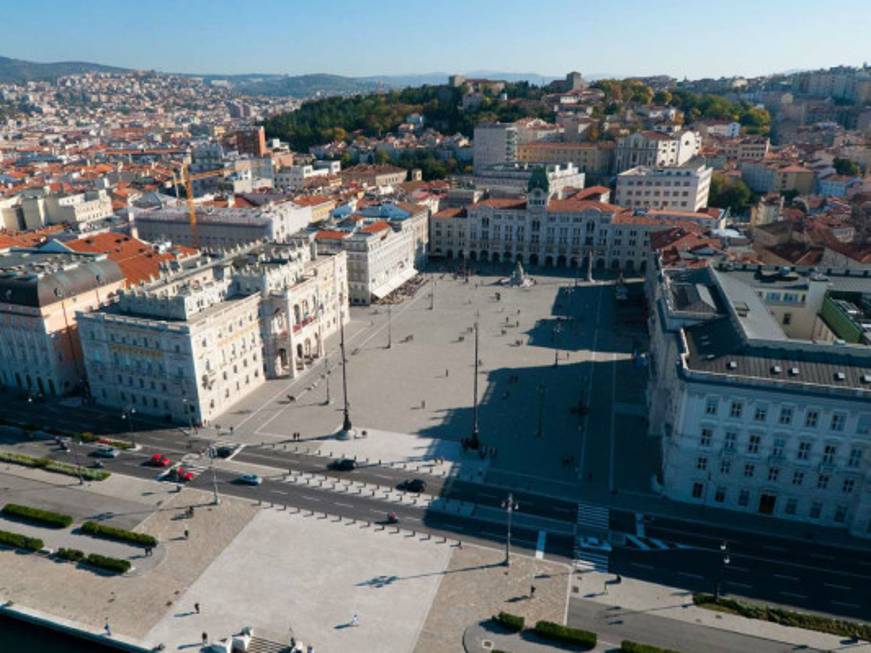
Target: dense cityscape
467,362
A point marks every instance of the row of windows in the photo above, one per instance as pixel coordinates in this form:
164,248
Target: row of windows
767,503
786,415
805,447
823,481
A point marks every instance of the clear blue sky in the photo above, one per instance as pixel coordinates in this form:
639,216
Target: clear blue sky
365,37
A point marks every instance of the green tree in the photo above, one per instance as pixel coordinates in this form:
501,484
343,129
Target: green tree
662,97
729,192
846,167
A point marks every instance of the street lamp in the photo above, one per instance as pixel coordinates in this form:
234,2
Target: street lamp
328,399
127,414
474,436
510,506
216,500
347,429
725,560
187,410
389,326
432,296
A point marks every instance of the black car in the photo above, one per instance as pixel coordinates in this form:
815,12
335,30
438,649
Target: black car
344,465
224,451
413,485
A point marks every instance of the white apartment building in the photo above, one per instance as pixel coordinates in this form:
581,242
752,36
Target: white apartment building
760,396
294,177
223,227
683,188
655,149
188,346
544,229
494,143
380,257
513,178
77,209
40,295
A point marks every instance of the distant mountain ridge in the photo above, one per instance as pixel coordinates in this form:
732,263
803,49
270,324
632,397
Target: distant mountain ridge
18,70
300,86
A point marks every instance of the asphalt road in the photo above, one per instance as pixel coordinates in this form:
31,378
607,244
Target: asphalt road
613,624
764,567
346,505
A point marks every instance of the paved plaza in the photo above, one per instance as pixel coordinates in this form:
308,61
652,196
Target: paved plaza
311,585
418,391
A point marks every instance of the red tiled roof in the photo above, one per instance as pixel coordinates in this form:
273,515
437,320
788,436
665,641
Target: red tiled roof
330,234
375,227
138,260
453,212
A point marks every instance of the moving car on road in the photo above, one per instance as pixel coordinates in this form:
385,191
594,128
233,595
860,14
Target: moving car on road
106,452
343,465
392,518
250,479
417,485
159,460
182,475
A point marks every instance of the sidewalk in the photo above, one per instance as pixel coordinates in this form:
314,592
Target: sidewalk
633,597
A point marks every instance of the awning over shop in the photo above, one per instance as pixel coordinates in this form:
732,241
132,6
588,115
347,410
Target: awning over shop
397,280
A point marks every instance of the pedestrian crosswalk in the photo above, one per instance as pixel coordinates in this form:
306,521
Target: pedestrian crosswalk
260,645
592,518
591,560
592,550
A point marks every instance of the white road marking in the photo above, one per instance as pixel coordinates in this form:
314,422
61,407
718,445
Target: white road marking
732,582
844,603
785,577
659,543
641,545
689,575
539,546
839,587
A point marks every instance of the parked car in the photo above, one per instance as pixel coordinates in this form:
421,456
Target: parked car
106,452
250,479
159,460
224,451
343,465
182,475
413,485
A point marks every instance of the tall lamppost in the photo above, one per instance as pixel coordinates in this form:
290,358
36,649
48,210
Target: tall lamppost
216,499
474,435
328,399
432,296
510,506
187,410
389,326
721,572
127,414
347,429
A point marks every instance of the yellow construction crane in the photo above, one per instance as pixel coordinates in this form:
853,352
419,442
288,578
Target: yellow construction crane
187,180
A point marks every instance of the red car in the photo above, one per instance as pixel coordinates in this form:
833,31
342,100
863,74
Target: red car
182,475
159,460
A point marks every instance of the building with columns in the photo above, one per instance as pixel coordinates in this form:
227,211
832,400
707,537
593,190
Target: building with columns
760,390
207,333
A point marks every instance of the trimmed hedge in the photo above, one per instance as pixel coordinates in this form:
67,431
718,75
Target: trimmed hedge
37,516
73,555
86,436
117,565
564,634
634,647
512,622
54,466
118,534
20,541
819,623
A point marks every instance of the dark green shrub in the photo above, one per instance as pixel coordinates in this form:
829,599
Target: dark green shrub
73,555
118,534
512,622
20,541
37,516
559,633
819,623
634,647
21,459
109,564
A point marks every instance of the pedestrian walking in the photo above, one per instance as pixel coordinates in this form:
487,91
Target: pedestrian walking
205,638
423,403
446,373
355,620
531,591
197,608
310,649
186,533
106,629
